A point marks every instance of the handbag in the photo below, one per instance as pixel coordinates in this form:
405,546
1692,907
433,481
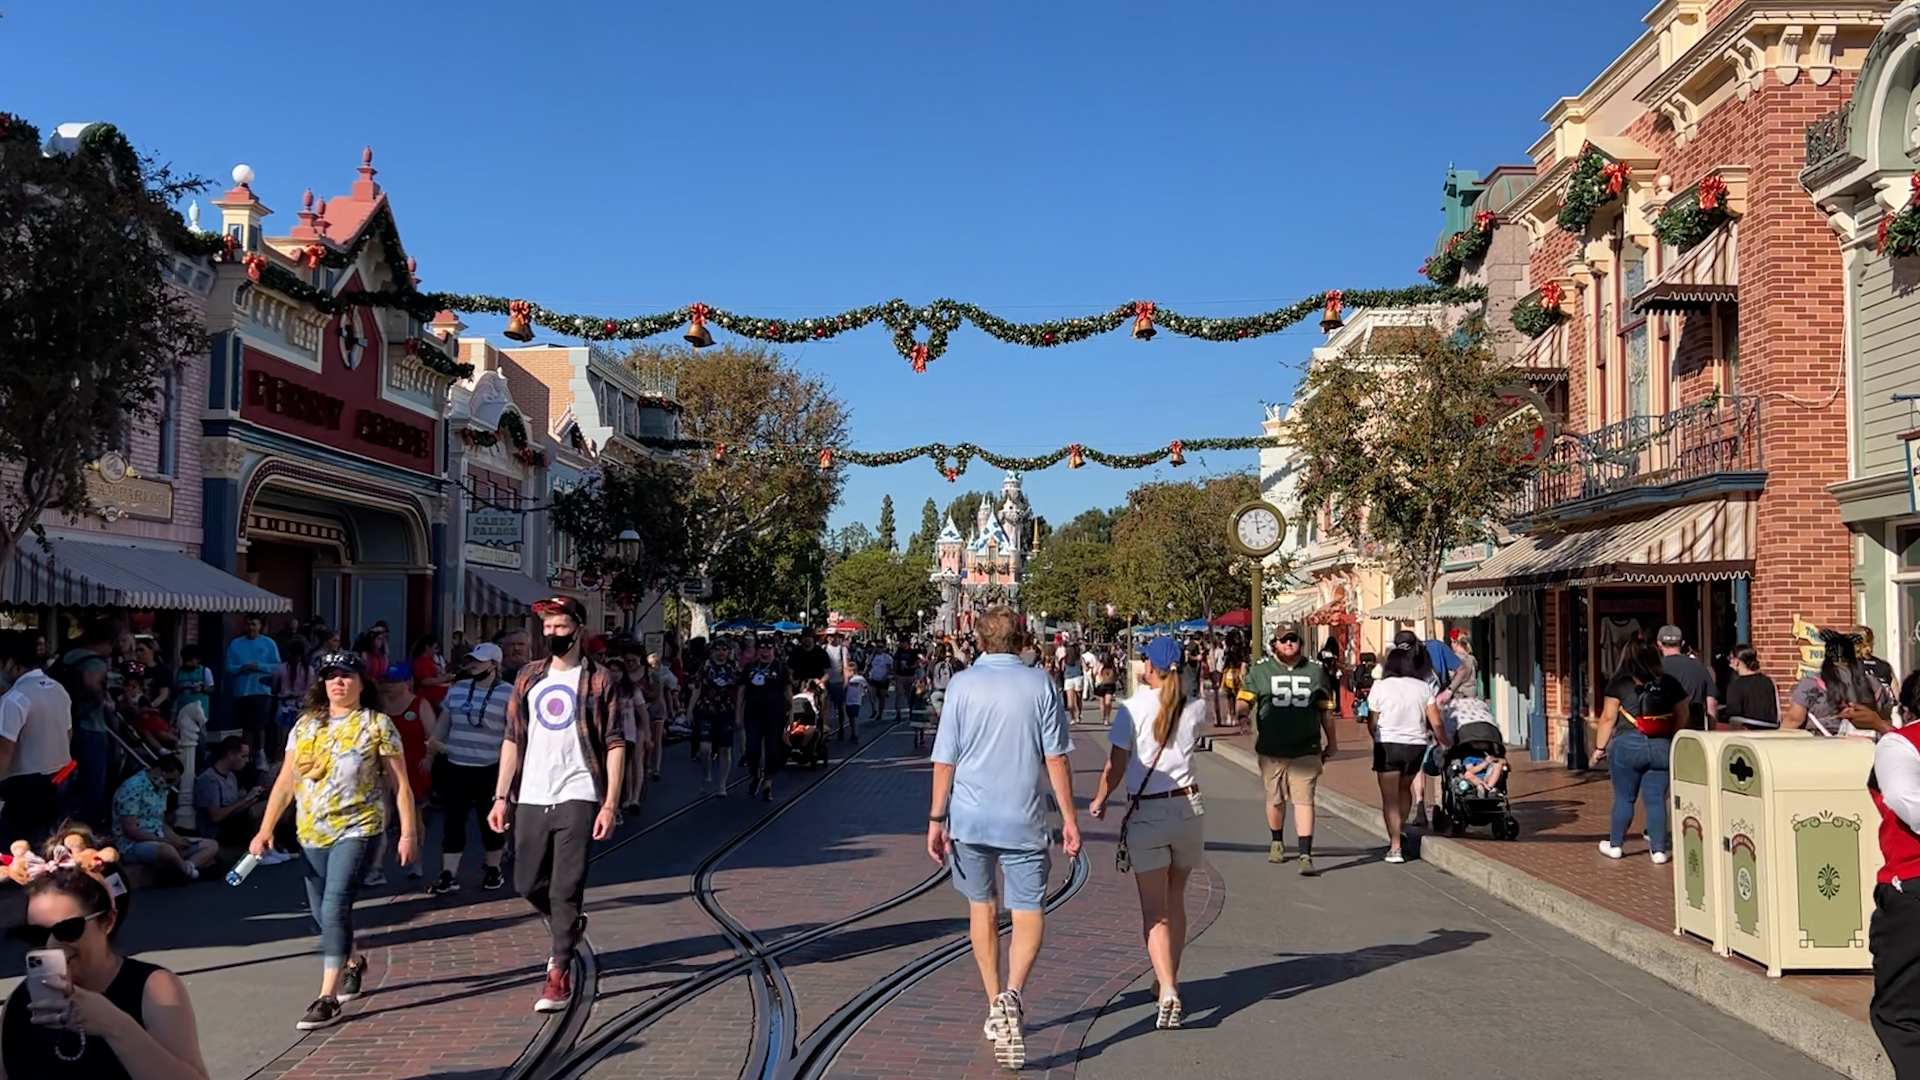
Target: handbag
1122,858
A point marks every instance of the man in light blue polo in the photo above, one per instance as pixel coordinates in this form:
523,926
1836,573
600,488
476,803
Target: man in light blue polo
1002,730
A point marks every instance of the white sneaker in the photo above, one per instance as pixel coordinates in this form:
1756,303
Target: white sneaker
1660,858
1610,851
1010,1044
1395,858
996,1018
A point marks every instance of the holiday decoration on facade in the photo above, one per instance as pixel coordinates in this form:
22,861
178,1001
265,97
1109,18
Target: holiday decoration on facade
952,461
1596,182
1535,317
1143,320
1331,321
1690,219
1462,248
1900,232
519,321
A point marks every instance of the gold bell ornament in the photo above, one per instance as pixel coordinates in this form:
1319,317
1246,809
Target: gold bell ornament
1176,454
1143,320
520,321
1331,321
1074,458
698,335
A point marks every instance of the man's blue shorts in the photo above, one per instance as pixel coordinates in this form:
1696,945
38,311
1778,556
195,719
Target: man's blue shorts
977,868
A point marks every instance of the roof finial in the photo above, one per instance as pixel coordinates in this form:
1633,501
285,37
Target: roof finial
364,189
366,158
306,201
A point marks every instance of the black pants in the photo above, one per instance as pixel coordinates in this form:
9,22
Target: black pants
550,865
1894,938
253,715
466,791
32,804
765,752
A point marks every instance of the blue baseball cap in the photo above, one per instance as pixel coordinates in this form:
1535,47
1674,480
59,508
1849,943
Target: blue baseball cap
402,672
1162,652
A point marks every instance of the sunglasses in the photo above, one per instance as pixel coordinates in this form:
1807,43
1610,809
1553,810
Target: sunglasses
1288,640
67,931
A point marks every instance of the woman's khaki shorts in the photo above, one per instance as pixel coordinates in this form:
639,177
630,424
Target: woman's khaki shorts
1168,832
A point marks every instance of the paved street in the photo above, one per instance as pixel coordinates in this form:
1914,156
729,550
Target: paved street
1369,967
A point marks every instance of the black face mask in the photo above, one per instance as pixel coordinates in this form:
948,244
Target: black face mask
559,644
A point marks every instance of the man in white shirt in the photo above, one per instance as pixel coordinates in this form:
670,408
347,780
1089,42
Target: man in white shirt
836,680
563,744
36,721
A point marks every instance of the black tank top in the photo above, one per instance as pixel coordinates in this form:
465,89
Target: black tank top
27,1049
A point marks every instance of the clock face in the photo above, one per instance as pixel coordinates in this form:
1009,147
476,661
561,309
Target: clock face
1258,529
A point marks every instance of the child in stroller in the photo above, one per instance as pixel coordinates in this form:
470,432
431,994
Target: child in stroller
1475,790
806,734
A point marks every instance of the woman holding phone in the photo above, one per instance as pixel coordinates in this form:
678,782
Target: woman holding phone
84,1010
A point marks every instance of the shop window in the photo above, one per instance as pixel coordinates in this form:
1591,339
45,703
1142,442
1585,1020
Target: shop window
1906,540
169,424
1909,628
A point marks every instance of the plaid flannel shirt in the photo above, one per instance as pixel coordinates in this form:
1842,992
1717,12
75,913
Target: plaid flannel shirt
597,721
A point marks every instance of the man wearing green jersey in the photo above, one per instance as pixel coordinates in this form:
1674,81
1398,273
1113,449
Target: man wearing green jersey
1293,733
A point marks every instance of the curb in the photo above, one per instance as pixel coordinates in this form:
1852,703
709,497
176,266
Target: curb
1819,1031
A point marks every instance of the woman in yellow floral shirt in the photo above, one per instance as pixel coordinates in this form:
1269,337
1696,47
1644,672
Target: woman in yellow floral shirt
342,758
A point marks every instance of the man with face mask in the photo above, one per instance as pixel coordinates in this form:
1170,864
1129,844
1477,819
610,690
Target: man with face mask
560,762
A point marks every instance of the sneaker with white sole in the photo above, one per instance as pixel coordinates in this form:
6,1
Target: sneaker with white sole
1395,858
323,1013
1660,858
1010,1044
1610,851
996,1016
558,991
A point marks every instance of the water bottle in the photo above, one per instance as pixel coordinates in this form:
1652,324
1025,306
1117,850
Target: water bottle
242,868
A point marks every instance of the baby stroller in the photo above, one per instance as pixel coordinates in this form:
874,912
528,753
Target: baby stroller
806,735
1462,805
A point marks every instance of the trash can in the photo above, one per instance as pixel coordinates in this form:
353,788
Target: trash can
1800,851
1699,879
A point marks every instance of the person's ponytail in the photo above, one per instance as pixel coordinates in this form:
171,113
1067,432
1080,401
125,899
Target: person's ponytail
1173,701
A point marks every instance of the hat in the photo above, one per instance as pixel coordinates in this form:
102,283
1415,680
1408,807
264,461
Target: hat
349,662
401,672
486,652
1285,628
1670,635
562,605
1162,652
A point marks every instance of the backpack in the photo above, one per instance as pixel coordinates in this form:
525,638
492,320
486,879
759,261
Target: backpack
1652,713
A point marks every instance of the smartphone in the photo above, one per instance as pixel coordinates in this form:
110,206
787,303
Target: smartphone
43,964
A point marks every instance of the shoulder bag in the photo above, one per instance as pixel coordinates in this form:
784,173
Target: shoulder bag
1122,858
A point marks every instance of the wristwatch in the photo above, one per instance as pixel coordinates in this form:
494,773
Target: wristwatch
938,819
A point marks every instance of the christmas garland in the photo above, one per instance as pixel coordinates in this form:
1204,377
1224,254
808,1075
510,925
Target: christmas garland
1900,232
1462,248
273,276
952,461
1686,222
1535,317
1596,182
937,319
527,455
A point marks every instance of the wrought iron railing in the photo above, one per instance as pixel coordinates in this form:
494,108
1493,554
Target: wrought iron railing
1715,436
1827,137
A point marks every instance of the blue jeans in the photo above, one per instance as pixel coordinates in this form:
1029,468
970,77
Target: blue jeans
1638,766
333,877
92,756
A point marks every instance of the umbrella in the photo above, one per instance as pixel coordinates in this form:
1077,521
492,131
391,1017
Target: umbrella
736,624
1242,617
1192,626
787,627
848,626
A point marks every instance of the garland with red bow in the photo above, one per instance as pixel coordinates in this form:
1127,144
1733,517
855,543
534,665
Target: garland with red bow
952,461
1533,317
1689,219
1900,232
1461,248
1597,180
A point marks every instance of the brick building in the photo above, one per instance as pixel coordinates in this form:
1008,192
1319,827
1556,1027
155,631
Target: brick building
1704,422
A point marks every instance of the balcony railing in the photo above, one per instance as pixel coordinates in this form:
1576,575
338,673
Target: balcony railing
1721,435
1827,138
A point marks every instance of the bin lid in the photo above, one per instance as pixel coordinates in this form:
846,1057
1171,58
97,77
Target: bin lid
1750,763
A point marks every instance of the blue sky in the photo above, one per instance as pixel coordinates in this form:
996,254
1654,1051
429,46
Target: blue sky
1040,160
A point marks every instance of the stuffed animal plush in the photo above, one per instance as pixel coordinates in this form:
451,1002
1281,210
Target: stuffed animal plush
22,865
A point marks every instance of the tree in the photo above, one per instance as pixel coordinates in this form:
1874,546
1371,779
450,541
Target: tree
747,397
1095,525
650,498
776,575
1411,444
900,587
920,545
1171,545
89,321
1066,576
886,523
962,509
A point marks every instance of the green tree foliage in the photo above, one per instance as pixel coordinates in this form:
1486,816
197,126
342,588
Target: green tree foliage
899,585
920,544
1066,576
1170,544
962,509
775,576
1410,445
1093,525
887,533
652,499
748,397
89,322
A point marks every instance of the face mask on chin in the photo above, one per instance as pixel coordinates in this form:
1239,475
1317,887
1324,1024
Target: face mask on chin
559,644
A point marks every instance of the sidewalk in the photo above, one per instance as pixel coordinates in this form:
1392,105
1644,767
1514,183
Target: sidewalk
1554,871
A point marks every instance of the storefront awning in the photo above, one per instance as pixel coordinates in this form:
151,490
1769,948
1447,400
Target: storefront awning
1297,608
1708,274
84,574
1447,604
1706,541
1545,357
502,594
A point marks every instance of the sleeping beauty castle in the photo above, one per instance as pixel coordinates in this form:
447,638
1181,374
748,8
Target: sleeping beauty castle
984,567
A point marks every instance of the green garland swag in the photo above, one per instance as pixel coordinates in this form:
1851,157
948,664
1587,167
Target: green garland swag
1586,192
1531,319
1683,224
1900,232
952,461
1462,248
515,427
293,287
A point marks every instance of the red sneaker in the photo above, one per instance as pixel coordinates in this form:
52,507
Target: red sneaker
559,989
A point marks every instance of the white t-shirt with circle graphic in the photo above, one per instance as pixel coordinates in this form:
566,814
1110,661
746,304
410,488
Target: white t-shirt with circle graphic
556,767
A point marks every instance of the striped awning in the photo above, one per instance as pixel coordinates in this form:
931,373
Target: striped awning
1705,541
81,573
502,593
1296,608
1447,604
1544,358
1708,274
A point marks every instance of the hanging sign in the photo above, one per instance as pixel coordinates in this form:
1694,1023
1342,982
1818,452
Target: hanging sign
490,526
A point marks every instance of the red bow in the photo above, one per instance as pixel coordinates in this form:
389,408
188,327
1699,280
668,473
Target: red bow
1336,303
521,308
311,255
918,354
1176,453
1550,296
1483,220
413,346
255,265
698,313
1712,190
1616,174
953,474
1915,184
826,459
1143,308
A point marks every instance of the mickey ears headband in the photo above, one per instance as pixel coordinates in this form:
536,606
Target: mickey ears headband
1403,646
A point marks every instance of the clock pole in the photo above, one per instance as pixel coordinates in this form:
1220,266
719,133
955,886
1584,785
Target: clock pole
1254,611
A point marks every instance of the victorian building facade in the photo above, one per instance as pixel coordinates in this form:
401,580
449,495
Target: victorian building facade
1700,324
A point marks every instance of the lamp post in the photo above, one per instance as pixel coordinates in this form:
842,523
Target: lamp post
626,548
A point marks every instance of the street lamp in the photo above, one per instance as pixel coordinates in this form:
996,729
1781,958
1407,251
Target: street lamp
627,545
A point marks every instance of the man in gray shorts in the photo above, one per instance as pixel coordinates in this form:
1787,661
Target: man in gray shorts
1002,729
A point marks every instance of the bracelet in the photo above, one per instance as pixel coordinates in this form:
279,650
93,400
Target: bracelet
499,798
937,819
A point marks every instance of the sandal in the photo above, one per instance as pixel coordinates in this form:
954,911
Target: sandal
1170,1015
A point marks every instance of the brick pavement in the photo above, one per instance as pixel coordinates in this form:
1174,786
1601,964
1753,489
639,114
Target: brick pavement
1092,952
1563,817
707,1038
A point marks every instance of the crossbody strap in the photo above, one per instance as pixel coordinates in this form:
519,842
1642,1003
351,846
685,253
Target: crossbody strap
1134,799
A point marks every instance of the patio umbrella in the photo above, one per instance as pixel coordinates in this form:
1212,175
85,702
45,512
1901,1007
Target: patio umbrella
1242,617
848,626
1192,626
788,627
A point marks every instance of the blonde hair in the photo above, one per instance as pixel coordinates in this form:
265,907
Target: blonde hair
1173,701
999,629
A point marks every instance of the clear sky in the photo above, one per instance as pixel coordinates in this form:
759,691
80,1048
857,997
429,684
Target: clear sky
791,159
